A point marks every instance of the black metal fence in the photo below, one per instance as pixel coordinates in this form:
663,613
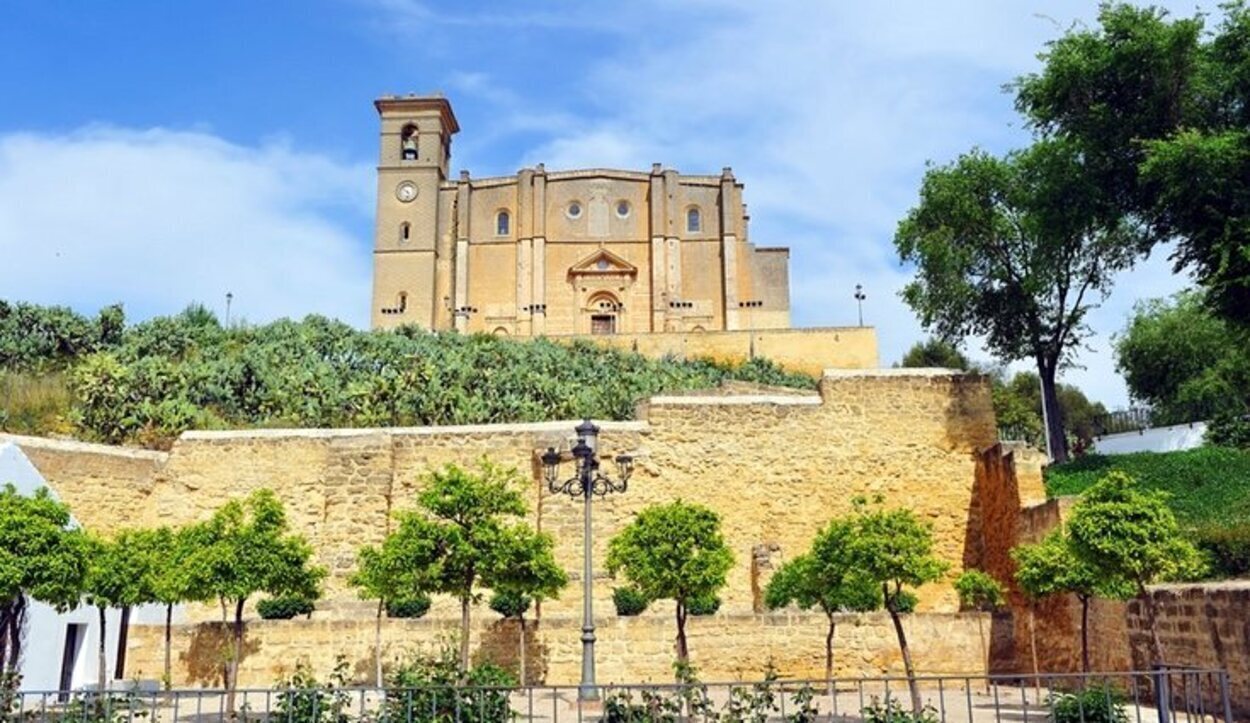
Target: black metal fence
1165,695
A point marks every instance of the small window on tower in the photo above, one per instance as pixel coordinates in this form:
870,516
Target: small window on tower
694,222
404,231
503,224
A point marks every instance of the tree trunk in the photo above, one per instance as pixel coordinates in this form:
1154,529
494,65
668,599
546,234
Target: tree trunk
17,621
913,686
829,654
169,627
829,646
103,672
985,655
1051,413
683,653
464,635
1084,633
123,636
6,611
521,620
1037,683
1152,614
233,684
377,643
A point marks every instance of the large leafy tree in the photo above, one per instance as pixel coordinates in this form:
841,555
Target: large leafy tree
41,557
1178,357
120,574
894,550
244,549
1161,109
169,550
465,534
1017,250
674,551
824,578
936,352
1129,538
1050,567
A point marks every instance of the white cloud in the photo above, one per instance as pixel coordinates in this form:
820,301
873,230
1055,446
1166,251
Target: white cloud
160,218
828,112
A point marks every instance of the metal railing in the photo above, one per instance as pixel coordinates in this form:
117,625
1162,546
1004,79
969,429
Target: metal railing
1164,695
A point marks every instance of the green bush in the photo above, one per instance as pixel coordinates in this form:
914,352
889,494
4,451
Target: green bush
1206,485
1095,704
629,601
147,383
892,711
304,699
703,605
284,607
1227,548
411,607
510,604
1229,430
430,689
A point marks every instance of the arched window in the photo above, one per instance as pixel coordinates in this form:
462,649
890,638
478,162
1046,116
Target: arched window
503,224
694,221
408,143
405,230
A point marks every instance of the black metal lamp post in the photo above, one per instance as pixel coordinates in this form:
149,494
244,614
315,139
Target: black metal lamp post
586,482
859,299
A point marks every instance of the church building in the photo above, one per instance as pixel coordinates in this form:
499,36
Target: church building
590,251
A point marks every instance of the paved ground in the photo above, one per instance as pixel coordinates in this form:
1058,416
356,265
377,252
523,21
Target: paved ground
956,701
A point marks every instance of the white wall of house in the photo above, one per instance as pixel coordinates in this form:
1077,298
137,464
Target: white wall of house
47,631
1158,439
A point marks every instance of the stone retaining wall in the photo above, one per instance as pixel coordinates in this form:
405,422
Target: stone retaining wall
725,647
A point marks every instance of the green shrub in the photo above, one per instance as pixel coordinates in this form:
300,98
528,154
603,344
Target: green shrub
1206,485
1095,704
892,711
284,607
510,604
411,607
629,601
169,374
1227,548
304,699
703,605
1229,430
429,689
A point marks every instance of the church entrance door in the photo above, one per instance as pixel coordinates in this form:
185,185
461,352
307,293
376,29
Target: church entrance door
603,324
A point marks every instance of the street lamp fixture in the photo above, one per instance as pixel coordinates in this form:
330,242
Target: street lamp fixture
859,300
587,482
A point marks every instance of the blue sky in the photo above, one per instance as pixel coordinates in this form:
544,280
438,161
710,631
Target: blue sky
158,153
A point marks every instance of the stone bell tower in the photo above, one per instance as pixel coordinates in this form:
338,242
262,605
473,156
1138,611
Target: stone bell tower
412,164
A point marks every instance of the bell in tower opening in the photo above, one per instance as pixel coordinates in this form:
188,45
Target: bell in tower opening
408,143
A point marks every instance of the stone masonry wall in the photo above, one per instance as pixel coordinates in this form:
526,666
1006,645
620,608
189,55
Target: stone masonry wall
776,467
810,351
725,647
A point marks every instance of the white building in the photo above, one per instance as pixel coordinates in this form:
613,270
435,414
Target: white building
60,651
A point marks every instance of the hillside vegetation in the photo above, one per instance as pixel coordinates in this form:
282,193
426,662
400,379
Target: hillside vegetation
1208,488
146,383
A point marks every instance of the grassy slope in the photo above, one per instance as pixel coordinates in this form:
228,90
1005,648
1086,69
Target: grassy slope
1206,485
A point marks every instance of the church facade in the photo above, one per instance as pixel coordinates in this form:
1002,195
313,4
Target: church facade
594,251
